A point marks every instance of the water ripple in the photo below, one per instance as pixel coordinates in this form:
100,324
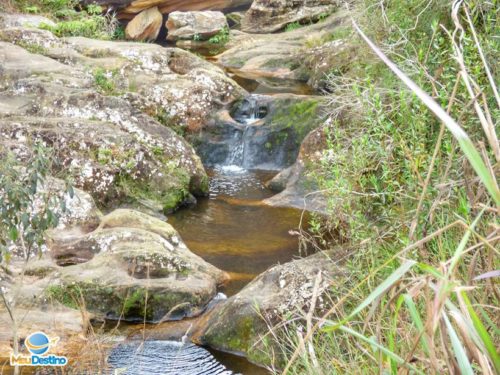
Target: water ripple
164,358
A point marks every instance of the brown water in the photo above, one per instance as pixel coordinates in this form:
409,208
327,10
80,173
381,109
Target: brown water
234,231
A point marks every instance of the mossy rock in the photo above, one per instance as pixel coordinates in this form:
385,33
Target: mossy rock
241,323
135,267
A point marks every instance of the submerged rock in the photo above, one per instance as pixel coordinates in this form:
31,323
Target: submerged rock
238,324
195,25
145,26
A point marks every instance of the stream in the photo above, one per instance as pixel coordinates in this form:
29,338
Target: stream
234,231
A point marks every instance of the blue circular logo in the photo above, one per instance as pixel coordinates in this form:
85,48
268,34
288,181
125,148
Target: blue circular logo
37,343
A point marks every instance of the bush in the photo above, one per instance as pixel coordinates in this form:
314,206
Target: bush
72,19
27,208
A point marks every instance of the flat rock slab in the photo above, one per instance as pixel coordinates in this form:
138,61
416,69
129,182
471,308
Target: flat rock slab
195,25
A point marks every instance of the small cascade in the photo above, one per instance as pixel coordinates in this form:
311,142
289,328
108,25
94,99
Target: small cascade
237,150
250,110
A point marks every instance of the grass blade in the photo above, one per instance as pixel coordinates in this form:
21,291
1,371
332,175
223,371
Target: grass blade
458,349
382,348
379,290
483,333
412,308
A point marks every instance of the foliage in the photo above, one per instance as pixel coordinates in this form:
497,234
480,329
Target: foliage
222,37
105,81
28,207
293,26
73,19
403,194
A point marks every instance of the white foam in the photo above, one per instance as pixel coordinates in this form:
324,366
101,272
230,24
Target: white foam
233,169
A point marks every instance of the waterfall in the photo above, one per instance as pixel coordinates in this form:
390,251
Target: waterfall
237,149
250,111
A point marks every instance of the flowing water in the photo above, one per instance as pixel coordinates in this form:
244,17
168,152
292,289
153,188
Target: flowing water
234,231
164,358
231,229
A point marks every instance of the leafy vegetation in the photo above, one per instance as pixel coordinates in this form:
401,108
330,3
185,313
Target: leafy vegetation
222,37
28,206
417,205
73,19
293,26
105,81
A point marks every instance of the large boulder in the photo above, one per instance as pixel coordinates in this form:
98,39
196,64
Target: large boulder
266,16
133,267
145,26
238,324
109,109
194,25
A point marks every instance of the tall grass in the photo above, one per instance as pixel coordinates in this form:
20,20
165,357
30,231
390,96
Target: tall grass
413,179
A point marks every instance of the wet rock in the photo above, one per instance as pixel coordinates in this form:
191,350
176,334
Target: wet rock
108,108
295,185
266,16
193,25
270,142
145,26
238,324
133,267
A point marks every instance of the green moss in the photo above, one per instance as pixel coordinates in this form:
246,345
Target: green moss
170,193
282,63
62,295
299,118
221,38
34,48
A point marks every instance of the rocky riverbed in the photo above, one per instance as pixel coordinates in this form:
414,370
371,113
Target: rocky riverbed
136,126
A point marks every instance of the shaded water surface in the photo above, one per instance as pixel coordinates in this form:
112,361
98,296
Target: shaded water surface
234,231
164,358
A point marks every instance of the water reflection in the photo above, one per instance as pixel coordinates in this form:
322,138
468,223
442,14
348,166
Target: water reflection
234,230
